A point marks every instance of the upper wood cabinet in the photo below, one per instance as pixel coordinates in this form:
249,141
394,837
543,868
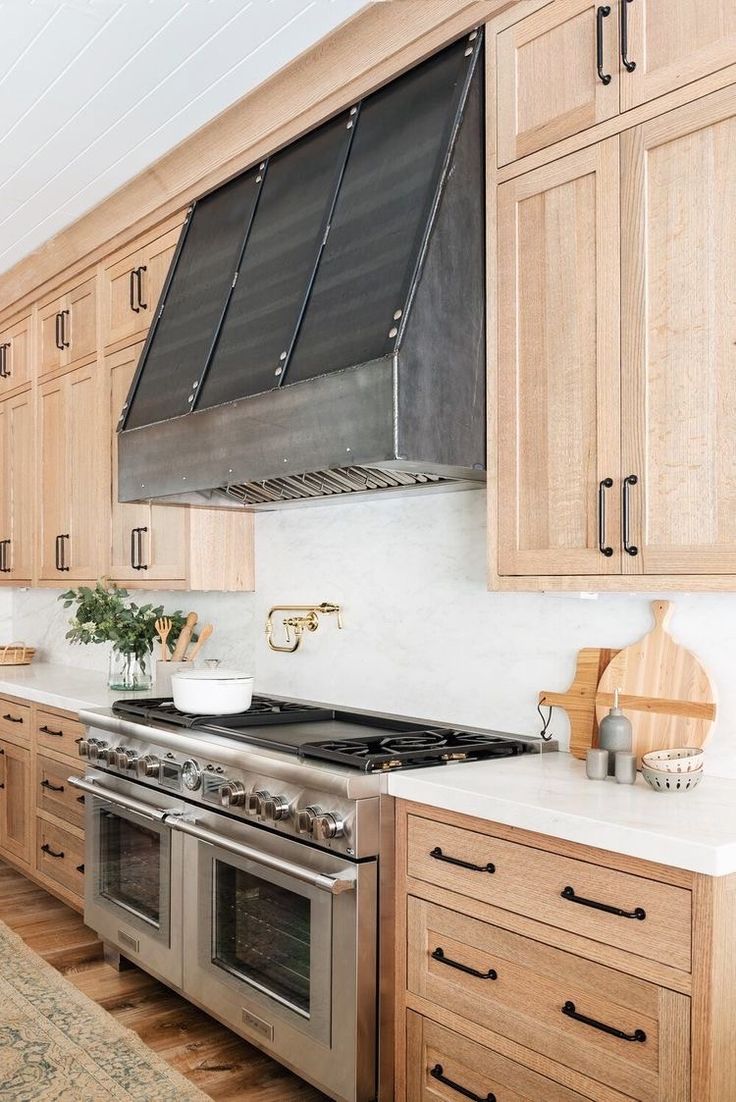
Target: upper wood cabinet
73,478
575,63
17,496
67,328
15,354
132,285
558,387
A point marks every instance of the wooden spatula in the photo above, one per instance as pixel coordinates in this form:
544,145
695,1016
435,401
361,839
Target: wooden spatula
204,635
665,691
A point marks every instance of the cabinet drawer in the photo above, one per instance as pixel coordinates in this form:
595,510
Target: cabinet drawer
58,733
531,882
518,988
472,1070
15,721
54,793
60,855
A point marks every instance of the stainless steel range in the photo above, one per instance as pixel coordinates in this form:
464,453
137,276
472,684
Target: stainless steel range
241,860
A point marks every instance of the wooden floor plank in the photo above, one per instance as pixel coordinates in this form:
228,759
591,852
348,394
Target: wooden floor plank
221,1064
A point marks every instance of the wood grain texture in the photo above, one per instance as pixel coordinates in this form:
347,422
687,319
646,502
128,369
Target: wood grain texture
222,1065
714,990
579,700
665,691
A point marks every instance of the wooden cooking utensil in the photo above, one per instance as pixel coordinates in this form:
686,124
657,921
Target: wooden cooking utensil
579,700
183,641
163,627
204,635
665,691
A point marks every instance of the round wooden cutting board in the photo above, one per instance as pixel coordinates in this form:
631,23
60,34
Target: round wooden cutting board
665,691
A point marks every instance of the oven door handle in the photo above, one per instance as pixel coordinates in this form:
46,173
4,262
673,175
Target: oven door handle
89,784
332,884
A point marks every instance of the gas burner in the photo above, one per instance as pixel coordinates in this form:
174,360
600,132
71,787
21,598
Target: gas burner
412,750
414,740
353,749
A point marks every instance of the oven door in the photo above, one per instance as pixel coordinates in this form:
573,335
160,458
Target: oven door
273,947
133,877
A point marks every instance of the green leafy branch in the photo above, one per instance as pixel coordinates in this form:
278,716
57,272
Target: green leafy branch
106,614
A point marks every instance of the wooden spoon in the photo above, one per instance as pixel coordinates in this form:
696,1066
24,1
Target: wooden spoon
183,641
204,635
163,627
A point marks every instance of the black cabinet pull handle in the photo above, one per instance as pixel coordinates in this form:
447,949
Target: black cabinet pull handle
52,787
2,786
569,1011
132,549
80,868
136,548
60,556
12,719
80,800
51,852
569,894
440,856
50,731
4,373
629,548
131,290
438,954
4,564
438,1073
58,343
139,281
64,315
601,13
604,485
629,66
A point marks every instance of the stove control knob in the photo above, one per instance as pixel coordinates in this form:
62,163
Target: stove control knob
232,794
326,826
256,804
83,747
191,774
97,750
147,766
126,759
275,808
116,757
305,818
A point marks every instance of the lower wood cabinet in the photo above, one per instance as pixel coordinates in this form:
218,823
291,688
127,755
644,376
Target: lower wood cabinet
535,970
15,801
60,855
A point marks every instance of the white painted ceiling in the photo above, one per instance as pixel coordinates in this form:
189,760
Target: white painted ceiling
92,91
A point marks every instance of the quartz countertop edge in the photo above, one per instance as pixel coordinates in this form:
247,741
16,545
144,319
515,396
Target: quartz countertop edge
550,794
64,687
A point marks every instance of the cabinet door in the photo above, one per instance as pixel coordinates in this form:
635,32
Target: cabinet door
18,483
88,459
50,355
6,493
547,77
133,286
674,44
149,542
80,324
679,338
16,339
53,481
15,801
558,365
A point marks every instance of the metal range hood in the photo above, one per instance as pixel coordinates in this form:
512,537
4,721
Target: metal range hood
321,331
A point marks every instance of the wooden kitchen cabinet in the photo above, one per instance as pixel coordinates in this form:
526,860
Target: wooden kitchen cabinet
17,456
15,354
558,366
132,284
73,478
16,819
67,328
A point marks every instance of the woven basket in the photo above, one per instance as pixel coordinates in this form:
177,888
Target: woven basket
16,654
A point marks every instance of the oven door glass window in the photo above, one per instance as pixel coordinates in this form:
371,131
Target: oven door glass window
263,934
131,866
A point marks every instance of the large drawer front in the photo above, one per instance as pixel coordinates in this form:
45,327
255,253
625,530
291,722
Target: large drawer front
54,793
433,1051
15,720
57,732
518,987
60,855
531,882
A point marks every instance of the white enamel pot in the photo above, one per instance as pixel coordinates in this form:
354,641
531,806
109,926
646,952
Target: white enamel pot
212,692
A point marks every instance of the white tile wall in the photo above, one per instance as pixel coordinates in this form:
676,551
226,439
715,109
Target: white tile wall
422,635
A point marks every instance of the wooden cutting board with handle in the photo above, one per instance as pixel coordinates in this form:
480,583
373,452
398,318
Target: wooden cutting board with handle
665,691
579,700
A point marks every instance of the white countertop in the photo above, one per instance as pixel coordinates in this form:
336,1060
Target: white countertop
550,794
64,687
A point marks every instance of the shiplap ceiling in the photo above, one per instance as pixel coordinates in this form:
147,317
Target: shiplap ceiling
92,91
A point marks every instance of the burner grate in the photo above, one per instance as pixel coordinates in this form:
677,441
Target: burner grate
263,710
412,749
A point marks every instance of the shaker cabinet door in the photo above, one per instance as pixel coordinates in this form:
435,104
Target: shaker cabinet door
16,492
679,338
558,367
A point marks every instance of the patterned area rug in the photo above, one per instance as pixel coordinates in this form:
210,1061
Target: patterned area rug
56,1045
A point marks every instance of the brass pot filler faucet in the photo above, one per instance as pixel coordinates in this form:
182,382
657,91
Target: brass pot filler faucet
305,618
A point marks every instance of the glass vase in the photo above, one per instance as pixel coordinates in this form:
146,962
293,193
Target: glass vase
129,673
